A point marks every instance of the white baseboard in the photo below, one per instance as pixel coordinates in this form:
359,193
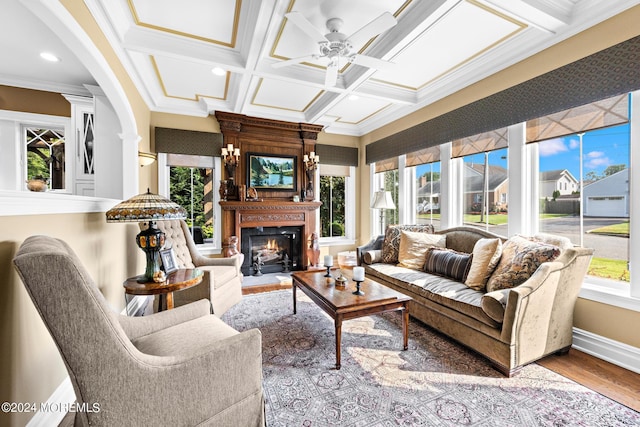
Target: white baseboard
58,405
615,352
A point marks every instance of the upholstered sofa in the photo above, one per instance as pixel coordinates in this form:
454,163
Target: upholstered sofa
509,325
222,283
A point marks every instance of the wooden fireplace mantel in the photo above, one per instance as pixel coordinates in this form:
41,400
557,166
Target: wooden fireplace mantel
270,213
266,137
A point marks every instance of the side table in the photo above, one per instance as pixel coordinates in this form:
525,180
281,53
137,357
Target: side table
181,279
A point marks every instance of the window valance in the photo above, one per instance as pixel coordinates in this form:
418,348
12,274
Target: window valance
179,141
610,72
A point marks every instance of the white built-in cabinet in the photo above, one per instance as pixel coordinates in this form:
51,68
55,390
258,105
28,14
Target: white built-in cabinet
82,139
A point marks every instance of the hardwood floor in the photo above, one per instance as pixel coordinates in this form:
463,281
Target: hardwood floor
616,383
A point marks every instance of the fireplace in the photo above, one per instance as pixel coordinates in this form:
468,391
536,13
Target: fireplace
271,249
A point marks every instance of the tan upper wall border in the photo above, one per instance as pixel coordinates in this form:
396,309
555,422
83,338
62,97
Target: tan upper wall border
33,101
606,34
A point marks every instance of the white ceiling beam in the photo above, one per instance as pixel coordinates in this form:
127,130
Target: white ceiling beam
151,42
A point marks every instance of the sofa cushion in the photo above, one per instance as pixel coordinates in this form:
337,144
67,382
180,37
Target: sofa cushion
414,245
494,303
521,257
486,255
448,263
184,338
371,257
391,244
441,290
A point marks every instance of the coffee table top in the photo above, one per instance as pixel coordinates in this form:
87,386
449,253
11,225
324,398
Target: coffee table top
341,298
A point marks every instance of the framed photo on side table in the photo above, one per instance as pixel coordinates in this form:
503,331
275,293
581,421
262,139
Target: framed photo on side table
169,261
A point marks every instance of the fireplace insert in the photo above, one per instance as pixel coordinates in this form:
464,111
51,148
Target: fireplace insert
271,249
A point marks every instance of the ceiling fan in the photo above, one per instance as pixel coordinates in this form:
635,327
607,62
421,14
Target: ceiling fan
337,47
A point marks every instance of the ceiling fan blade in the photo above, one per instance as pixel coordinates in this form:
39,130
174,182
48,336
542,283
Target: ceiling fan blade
293,61
379,25
301,22
371,62
331,76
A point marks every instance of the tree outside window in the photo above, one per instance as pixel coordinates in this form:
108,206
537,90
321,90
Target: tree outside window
332,210
191,188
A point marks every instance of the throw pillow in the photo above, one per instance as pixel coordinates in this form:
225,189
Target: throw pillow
413,247
521,257
371,257
448,263
391,244
486,255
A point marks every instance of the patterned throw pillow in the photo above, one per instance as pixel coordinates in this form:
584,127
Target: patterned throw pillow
449,263
414,246
391,243
486,255
521,257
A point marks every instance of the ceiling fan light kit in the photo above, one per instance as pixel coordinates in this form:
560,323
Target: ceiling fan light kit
337,47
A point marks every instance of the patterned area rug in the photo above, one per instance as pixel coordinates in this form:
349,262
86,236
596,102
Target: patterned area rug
434,383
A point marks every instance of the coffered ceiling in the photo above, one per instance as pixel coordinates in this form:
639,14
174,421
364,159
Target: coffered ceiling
438,47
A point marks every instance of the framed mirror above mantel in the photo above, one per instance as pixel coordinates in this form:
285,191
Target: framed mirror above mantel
280,148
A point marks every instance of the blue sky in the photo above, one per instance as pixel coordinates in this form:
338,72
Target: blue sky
601,149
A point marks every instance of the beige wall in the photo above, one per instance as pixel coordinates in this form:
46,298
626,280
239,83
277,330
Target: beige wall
30,365
33,101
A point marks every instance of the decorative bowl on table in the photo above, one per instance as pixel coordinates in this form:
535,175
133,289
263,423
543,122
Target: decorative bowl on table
347,260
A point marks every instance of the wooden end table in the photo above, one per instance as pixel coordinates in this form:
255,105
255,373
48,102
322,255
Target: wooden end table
340,303
181,279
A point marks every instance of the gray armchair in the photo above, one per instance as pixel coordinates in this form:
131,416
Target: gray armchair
222,283
181,367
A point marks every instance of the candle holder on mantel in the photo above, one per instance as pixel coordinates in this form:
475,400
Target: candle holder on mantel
310,161
231,160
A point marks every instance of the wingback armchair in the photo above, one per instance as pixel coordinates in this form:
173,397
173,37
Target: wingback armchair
222,283
183,366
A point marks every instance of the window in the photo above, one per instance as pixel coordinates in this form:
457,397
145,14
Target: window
191,185
486,185
597,217
46,156
428,194
337,213
333,209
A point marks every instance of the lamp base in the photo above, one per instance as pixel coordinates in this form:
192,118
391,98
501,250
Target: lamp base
151,241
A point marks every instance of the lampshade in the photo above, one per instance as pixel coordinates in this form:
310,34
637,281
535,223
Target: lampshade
382,200
148,207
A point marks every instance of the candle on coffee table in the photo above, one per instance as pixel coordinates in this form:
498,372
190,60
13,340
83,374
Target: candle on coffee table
358,274
328,261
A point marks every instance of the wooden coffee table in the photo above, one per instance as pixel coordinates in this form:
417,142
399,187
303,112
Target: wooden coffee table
340,303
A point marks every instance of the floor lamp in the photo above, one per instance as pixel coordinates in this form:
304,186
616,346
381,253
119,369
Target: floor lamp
382,200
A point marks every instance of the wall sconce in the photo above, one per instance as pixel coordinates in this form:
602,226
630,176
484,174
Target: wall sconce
231,159
310,165
145,159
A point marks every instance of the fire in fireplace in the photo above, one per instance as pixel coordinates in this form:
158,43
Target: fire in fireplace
270,249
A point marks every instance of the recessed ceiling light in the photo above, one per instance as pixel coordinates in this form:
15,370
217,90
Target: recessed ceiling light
49,57
218,71
353,97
